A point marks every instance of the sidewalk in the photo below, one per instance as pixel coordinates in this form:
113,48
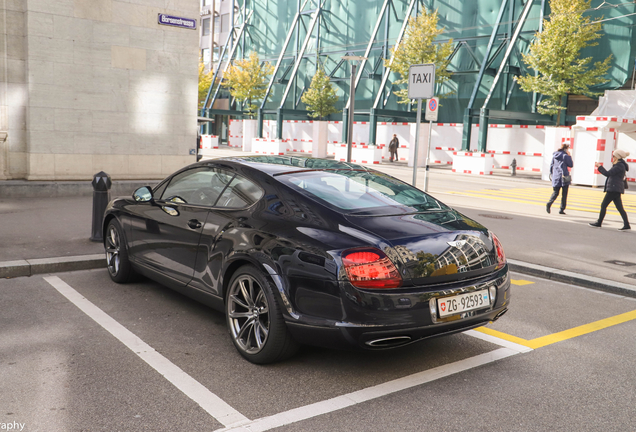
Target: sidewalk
43,234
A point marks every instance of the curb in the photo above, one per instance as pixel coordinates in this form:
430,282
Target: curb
572,278
12,269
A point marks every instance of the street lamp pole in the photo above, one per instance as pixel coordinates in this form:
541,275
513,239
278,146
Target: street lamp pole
352,101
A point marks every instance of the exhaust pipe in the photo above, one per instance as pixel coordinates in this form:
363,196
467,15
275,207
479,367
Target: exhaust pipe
499,315
389,342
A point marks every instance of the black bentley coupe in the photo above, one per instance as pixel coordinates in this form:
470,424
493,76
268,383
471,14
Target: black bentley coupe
300,250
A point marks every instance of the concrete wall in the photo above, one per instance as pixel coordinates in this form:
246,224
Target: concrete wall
96,86
13,89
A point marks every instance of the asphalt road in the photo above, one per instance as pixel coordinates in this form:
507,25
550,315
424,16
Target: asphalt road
79,352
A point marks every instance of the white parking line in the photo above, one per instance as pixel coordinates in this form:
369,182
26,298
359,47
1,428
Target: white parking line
498,341
231,419
210,402
344,401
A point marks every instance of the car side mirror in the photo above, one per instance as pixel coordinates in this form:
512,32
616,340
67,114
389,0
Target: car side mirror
143,194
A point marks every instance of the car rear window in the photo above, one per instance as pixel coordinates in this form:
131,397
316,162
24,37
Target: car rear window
355,191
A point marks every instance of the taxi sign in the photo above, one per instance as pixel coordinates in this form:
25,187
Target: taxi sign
422,81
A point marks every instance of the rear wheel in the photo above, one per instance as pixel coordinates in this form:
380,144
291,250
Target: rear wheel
255,320
117,261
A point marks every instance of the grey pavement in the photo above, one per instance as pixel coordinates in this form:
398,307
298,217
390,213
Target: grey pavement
45,227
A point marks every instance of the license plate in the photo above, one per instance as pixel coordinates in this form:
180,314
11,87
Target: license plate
463,303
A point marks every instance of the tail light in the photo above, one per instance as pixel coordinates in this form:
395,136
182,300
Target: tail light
370,268
501,256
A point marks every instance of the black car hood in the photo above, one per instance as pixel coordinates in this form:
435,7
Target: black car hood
433,247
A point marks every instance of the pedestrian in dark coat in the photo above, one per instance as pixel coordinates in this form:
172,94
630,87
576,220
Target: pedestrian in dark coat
614,187
559,169
393,147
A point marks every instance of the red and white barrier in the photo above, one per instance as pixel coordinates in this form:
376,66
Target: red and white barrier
473,163
627,142
360,154
209,142
268,146
235,134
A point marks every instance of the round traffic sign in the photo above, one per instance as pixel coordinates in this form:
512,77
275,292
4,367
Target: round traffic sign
432,104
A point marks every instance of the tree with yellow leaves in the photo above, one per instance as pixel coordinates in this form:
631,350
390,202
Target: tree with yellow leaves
555,55
246,80
418,47
321,97
205,80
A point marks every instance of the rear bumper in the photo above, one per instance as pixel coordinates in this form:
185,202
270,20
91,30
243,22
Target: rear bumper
380,337
388,320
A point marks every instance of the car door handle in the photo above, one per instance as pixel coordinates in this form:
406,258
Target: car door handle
194,224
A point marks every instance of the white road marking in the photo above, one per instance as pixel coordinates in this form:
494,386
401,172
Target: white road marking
210,402
235,421
344,401
498,341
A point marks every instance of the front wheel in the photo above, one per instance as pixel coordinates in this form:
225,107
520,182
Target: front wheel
117,261
255,320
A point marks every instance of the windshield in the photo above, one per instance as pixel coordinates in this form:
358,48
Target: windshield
358,191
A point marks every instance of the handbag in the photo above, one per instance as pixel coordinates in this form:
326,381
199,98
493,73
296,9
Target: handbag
567,178
625,182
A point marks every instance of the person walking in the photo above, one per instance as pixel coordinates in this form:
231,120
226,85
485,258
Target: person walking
393,147
614,187
560,174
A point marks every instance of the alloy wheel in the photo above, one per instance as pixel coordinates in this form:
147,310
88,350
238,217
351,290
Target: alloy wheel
113,249
248,313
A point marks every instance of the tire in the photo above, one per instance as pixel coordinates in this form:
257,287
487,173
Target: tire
119,267
254,318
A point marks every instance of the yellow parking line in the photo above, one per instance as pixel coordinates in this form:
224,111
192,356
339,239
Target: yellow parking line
587,199
504,336
572,203
581,330
563,335
520,282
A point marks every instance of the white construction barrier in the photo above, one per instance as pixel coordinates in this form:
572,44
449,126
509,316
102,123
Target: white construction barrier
361,154
235,134
473,163
268,146
320,137
446,138
627,142
334,136
384,135
594,140
524,143
209,142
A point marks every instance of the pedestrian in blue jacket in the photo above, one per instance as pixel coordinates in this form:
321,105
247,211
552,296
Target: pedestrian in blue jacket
614,187
559,168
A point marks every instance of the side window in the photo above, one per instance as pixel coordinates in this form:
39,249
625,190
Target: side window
240,193
199,186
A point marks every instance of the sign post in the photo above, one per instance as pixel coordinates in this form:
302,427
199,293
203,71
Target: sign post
421,86
432,108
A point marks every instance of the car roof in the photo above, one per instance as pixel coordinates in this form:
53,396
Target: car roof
273,165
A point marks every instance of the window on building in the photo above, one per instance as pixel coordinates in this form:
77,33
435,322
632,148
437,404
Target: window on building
217,24
205,55
225,23
205,27
215,54
206,2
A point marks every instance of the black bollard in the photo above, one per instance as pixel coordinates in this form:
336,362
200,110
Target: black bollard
101,196
513,167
